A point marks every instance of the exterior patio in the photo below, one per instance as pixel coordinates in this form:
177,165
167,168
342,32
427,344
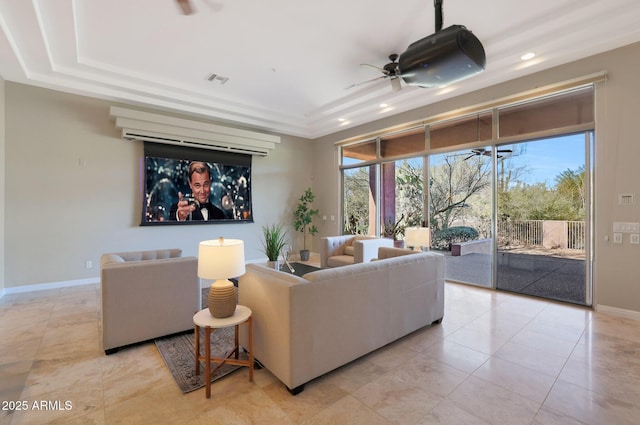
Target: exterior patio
547,273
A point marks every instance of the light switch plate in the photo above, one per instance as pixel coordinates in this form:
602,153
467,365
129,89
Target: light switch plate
626,227
617,238
634,238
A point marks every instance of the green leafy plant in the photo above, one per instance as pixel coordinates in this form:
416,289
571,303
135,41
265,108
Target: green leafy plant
444,238
275,238
303,216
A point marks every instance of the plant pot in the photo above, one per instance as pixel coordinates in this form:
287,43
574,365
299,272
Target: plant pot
304,254
398,244
274,264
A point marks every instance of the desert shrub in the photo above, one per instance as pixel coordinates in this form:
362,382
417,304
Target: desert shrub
444,238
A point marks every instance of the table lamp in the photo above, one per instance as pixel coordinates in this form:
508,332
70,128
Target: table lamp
417,237
220,260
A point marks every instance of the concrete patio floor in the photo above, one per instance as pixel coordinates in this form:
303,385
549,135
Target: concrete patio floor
552,275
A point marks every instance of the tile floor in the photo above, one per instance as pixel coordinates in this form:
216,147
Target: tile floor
497,358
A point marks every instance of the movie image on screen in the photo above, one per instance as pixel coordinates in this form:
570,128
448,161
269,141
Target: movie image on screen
203,188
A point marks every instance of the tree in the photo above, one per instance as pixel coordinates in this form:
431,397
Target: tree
356,201
452,184
571,185
410,193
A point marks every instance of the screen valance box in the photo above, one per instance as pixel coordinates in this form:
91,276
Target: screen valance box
165,174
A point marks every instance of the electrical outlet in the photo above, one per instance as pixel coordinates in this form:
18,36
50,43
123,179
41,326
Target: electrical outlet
89,264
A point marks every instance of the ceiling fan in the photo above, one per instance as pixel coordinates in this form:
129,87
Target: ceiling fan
390,70
486,152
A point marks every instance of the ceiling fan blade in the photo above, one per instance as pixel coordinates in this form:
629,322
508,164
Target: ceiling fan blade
366,82
185,5
372,66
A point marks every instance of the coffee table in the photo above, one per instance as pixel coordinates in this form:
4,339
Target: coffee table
299,269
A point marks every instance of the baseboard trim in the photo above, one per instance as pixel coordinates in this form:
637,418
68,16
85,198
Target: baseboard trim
620,312
52,285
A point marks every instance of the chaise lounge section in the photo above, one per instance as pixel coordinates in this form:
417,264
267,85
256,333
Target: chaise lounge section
307,326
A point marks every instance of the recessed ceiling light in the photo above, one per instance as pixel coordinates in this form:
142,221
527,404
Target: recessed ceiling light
383,105
528,56
341,119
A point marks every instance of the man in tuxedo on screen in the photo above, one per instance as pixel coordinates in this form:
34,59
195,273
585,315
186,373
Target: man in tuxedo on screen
199,207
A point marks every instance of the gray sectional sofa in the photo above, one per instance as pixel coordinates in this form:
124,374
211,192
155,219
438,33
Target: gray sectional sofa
307,326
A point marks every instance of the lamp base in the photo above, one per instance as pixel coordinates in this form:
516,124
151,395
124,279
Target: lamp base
222,299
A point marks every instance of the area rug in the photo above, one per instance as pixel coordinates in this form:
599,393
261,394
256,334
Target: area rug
178,352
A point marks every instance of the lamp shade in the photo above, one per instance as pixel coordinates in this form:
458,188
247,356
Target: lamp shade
221,259
417,237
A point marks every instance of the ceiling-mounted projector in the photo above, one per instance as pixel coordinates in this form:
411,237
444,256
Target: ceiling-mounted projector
449,55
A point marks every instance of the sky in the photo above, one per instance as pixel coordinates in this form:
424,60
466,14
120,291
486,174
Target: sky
547,158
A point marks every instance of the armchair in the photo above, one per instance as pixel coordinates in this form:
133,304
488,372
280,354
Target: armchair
336,251
147,294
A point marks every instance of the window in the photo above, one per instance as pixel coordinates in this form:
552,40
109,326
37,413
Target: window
388,194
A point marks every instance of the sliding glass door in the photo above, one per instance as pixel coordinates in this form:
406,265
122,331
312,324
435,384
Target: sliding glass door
460,214
543,217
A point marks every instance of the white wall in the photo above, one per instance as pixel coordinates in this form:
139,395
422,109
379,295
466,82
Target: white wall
73,190
616,267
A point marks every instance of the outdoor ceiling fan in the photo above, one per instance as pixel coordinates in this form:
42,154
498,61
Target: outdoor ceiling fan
390,70
486,152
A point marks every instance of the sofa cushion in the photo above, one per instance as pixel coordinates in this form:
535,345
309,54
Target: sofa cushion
111,258
349,250
340,260
157,254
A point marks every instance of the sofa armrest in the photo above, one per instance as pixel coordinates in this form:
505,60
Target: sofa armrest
267,293
366,250
390,252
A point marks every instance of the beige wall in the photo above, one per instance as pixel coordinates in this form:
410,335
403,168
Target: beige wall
72,187
73,190
616,267
2,186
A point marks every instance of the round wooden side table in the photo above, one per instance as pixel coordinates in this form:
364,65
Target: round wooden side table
204,319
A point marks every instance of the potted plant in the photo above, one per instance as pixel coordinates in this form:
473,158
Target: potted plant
395,231
303,220
275,238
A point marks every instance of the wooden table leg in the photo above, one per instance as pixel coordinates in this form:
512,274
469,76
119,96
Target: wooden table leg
207,355
197,341
235,340
251,348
